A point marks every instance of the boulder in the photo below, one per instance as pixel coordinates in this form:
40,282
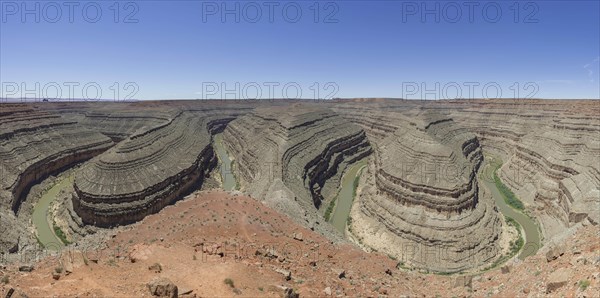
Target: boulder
289,293
298,236
10,292
156,267
68,266
162,287
187,292
555,252
463,281
558,279
286,274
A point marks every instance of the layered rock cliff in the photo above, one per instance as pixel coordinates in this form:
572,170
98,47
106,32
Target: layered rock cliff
422,202
145,172
550,148
35,144
293,156
551,155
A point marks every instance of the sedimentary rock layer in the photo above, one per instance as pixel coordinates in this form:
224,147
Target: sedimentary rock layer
293,154
424,197
551,153
145,172
550,148
420,193
35,144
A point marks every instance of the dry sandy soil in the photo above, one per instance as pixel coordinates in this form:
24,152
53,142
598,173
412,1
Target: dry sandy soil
212,236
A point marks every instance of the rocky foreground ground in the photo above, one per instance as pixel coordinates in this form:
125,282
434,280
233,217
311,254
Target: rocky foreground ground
224,244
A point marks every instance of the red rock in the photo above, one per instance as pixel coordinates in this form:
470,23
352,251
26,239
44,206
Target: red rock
558,279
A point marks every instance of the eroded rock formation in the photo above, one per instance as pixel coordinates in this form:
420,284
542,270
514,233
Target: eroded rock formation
145,172
551,153
35,143
550,148
293,156
424,200
420,199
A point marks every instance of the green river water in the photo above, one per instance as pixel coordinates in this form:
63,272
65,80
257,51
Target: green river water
345,197
225,163
44,225
532,234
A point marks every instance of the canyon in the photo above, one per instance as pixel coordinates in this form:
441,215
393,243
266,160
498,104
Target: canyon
424,197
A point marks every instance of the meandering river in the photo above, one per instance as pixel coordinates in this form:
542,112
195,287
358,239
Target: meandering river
345,197
42,223
532,237
532,234
225,163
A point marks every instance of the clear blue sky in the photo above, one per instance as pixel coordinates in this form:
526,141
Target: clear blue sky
375,49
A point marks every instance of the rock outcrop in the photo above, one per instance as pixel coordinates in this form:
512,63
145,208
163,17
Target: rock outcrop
420,199
424,200
294,156
145,172
550,150
35,144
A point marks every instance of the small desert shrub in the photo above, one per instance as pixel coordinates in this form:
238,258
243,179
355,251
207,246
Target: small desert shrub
4,279
61,235
229,282
583,284
330,209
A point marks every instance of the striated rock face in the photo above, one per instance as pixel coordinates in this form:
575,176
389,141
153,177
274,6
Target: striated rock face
419,196
11,232
293,155
35,144
551,155
145,172
163,152
550,150
424,198
432,163
119,124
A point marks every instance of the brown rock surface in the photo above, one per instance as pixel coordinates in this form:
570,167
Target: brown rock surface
558,278
550,150
163,287
293,156
242,226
